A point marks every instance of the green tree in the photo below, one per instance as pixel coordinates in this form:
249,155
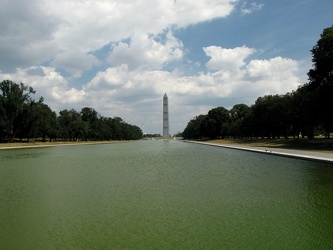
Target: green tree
131,132
105,127
117,128
219,121
208,127
71,124
303,115
45,121
3,123
13,98
249,126
193,128
91,117
321,78
272,116
237,116
37,121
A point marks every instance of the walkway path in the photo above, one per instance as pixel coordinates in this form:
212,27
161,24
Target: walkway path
300,154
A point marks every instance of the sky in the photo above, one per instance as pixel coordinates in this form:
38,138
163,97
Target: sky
121,57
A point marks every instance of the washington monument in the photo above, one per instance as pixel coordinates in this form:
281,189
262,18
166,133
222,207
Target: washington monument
165,116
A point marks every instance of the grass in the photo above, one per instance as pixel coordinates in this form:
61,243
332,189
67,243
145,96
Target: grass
41,144
317,144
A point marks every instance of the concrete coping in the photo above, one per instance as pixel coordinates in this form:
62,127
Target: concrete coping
299,154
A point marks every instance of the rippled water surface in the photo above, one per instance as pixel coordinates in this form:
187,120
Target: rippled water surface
162,195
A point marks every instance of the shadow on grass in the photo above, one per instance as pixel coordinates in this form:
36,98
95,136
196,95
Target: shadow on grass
317,144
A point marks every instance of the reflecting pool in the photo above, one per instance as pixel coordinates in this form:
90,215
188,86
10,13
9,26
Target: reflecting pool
162,195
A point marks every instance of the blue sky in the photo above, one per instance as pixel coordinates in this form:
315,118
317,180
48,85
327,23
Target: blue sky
120,57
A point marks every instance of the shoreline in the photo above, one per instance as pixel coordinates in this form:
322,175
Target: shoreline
22,145
291,153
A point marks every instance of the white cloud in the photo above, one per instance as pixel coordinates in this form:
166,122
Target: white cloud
27,34
68,34
136,94
272,68
37,31
276,75
227,59
146,52
47,83
110,78
249,8
75,62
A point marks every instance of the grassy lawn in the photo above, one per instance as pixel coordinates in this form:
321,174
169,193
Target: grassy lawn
317,144
40,144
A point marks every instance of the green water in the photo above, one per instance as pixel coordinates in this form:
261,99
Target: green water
162,195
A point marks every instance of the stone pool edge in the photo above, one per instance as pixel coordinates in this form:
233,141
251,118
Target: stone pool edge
298,154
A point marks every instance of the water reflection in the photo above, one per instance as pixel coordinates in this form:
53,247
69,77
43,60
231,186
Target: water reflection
19,154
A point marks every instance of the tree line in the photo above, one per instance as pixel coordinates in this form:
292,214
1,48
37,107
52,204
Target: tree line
21,117
306,111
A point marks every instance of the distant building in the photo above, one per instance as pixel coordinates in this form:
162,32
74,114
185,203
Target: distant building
165,116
